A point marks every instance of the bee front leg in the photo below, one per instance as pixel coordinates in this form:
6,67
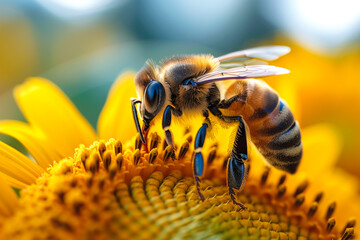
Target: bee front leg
198,161
135,101
166,122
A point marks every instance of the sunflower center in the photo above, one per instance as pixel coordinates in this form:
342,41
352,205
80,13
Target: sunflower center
111,191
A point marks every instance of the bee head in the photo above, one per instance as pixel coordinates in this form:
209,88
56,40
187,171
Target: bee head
180,74
150,91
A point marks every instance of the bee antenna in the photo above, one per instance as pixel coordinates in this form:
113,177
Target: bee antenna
136,118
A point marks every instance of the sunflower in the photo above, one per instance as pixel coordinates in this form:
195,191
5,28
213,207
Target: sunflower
79,184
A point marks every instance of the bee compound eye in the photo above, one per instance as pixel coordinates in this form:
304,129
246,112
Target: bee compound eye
154,97
188,81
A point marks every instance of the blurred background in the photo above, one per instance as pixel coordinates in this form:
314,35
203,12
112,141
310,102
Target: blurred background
84,45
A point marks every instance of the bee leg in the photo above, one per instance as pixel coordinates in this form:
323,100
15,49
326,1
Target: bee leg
198,162
236,177
236,169
136,119
166,121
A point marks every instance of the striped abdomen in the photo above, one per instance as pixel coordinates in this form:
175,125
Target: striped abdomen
272,126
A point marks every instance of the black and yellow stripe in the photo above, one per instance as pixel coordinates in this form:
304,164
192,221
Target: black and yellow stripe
272,126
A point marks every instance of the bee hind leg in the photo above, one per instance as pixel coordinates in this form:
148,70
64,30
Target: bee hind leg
236,177
237,170
233,198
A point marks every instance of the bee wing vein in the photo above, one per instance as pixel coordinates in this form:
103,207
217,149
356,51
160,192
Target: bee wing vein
252,71
268,53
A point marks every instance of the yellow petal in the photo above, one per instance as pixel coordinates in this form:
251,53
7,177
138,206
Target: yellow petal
116,120
18,169
289,93
8,199
33,140
322,146
46,107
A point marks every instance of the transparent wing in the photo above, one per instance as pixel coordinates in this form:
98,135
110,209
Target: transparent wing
242,63
252,71
267,53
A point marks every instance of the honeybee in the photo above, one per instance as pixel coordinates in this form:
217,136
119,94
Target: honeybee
193,83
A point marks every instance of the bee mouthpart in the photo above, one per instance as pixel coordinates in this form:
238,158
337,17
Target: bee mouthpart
144,132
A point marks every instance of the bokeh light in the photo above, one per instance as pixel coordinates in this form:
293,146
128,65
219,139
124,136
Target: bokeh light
79,8
325,26
208,22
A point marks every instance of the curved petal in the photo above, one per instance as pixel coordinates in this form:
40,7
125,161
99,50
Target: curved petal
322,147
116,120
8,199
18,169
46,107
288,92
33,140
